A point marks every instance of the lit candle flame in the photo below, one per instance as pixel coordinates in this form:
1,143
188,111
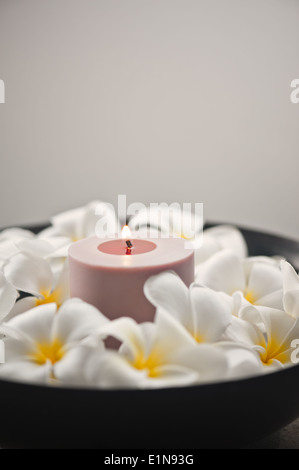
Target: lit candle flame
126,233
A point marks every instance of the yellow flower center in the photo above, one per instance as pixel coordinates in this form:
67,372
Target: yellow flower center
267,361
275,351
48,352
150,364
50,298
250,297
198,337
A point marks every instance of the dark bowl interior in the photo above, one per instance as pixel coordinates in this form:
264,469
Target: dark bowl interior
224,415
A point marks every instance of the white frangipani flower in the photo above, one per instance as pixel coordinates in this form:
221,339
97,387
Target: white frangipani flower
258,279
44,346
219,238
204,313
8,297
8,240
290,290
156,355
16,234
33,275
47,248
53,250
15,240
79,223
273,342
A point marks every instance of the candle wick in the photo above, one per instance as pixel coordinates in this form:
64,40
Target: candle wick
129,247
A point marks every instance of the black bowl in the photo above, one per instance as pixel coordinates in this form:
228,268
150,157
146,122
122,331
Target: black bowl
224,415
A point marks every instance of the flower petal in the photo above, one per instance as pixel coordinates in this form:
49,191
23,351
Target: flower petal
22,306
273,300
264,279
223,272
243,362
79,223
8,249
168,291
26,371
208,361
290,277
111,371
62,287
60,246
170,375
225,237
281,330
29,274
17,348
68,224
70,370
290,289
36,324
170,337
244,332
16,234
271,261
128,332
76,320
8,297
35,247
212,314
51,232
237,303
251,313
55,247
291,303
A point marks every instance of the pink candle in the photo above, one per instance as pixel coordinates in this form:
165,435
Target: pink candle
110,274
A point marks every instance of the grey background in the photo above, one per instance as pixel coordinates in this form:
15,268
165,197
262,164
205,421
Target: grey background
164,100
